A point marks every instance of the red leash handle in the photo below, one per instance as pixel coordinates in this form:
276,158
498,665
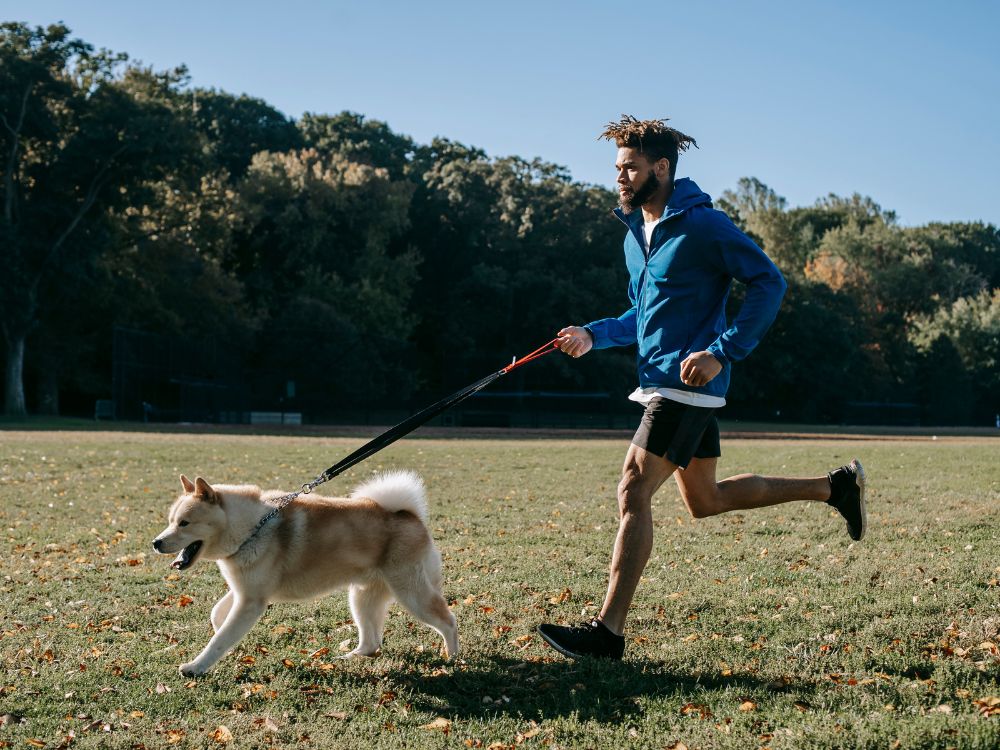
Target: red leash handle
541,351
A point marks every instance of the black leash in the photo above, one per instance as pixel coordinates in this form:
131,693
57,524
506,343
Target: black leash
395,433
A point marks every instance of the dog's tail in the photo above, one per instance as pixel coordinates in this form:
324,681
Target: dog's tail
395,491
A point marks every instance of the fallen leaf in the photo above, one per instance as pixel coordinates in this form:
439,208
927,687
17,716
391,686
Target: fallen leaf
748,706
988,706
222,735
439,723
564,596
690,709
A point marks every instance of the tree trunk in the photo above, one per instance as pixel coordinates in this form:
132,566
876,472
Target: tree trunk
13,402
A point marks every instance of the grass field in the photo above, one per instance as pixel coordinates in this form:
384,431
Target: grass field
760,629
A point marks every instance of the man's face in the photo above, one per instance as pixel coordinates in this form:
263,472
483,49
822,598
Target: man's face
637,181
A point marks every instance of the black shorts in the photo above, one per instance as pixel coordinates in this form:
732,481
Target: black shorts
678,432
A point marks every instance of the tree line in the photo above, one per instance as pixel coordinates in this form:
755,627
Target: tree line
336,253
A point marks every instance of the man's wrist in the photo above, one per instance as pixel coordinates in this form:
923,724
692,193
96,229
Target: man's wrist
719,356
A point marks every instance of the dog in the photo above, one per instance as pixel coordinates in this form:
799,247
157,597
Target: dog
375,543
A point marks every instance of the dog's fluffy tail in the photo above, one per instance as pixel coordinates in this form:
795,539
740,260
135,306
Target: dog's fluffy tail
395,491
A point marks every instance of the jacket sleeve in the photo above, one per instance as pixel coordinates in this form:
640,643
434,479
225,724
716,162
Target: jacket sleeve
741,258
620,331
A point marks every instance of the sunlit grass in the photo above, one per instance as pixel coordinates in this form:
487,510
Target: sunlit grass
765,628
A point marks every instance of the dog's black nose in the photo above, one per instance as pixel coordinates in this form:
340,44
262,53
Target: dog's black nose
158,544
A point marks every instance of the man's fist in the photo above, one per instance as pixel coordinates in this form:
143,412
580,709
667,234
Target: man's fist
575,341
699,368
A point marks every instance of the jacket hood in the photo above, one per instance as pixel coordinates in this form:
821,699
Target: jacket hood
686,195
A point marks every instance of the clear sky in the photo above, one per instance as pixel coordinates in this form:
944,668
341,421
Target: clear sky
897,100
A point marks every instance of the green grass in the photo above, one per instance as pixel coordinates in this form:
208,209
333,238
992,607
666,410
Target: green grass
760,629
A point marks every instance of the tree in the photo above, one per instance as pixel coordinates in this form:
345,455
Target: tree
361,140
74,142
960,347
312,246
237,127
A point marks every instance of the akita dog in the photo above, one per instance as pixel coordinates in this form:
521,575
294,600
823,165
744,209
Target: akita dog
376,543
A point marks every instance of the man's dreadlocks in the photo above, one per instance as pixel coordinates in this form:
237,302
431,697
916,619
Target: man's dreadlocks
653,138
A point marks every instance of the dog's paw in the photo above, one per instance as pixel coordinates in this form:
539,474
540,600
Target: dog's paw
191,669
359,654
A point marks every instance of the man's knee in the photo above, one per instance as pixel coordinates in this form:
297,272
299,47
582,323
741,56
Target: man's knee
634,495
703,503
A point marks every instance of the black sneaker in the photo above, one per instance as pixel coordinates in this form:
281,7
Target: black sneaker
847,495
589,639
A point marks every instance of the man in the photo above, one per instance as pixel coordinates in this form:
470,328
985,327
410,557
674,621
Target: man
682,256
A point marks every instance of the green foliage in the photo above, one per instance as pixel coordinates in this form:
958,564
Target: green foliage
313,245
960,348
78,135
358,139
234,128
337,253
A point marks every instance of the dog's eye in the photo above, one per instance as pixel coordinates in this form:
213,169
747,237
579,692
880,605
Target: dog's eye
183,523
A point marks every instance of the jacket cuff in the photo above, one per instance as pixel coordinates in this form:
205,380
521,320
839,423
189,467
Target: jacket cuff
716,351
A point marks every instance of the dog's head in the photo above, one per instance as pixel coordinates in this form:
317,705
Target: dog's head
197,518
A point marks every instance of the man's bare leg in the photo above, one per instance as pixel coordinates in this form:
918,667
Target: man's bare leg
703,496
642,475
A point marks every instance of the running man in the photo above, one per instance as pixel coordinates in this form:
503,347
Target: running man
682,256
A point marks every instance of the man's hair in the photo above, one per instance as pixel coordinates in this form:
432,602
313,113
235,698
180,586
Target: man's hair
653,138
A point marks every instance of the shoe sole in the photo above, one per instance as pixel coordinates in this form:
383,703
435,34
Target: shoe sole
860,481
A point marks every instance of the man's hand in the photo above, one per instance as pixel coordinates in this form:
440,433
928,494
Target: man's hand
699,368
575,341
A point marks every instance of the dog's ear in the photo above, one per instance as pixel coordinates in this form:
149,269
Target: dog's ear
204,491
186,484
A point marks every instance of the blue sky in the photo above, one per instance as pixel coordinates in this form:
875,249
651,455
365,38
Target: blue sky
896,100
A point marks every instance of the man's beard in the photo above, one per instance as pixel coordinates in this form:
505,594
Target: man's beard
632,199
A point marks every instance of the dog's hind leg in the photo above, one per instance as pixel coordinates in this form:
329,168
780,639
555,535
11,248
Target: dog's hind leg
369,606
221,610
420,593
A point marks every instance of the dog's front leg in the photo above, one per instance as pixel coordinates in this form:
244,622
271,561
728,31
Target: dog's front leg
221,611
242,617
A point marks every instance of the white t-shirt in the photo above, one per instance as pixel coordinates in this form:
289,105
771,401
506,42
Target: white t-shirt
647,229
645,395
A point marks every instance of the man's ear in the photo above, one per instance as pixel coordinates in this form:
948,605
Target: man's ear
662,168
186,484
204,491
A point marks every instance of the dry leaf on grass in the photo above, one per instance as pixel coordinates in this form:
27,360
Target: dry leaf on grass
440,723
988,706
695,709
222,735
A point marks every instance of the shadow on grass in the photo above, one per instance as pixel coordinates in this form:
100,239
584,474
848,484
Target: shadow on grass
590,690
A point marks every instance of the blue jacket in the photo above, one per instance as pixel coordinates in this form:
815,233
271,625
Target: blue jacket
678,291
